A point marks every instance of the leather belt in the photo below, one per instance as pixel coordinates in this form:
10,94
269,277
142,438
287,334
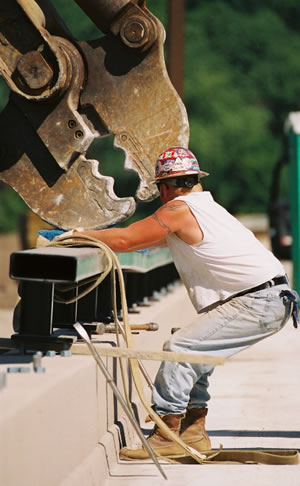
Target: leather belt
271,283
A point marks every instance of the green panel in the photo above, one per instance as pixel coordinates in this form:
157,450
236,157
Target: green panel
143,261
295,205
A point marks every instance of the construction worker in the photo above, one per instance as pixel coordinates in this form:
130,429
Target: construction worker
238,288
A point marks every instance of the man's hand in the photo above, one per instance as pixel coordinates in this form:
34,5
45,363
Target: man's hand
68,233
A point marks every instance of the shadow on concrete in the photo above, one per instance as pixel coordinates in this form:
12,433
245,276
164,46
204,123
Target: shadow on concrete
254,433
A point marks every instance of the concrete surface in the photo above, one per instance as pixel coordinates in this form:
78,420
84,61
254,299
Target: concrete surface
53,422
255,404
56,429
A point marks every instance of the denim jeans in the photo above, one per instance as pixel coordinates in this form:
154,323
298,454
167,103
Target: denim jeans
224,330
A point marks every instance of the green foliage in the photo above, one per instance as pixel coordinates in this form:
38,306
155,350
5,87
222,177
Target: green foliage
4,91
11,207
81,27
111,163
240,84
84,29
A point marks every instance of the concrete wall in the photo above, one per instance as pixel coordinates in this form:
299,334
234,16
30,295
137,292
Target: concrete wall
53,425
57,428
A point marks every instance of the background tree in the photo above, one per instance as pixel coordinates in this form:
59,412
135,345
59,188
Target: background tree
241,82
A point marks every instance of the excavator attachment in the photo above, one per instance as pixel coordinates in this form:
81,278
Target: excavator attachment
65,93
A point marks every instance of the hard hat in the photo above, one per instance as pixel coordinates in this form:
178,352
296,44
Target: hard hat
176,162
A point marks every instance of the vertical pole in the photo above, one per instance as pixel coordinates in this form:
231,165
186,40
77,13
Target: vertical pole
175,44
294,176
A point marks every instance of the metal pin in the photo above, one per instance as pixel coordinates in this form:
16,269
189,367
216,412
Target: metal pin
170,288
18,369
37,363
2,380
12,369
156,295
24,369
163,291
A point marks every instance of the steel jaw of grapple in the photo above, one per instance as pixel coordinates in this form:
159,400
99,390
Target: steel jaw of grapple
116,85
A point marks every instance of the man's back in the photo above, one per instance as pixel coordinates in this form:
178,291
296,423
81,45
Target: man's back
227,260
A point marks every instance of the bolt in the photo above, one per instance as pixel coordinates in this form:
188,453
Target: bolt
2,380
153,326
24,369
144,303
100,328
156,295
37,363
66,353
71,124
133,309
170,287
12,369
39,369
34,70
78,134
163,291
134,31
18,369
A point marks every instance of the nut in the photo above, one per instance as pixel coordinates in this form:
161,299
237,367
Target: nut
135,32
34,70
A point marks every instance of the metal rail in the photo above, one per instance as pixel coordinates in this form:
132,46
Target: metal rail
63,265
52,278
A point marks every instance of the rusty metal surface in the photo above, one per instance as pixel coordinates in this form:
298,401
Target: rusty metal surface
102,12
65,94
25,41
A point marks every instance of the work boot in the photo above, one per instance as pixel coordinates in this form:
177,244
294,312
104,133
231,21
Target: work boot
158,441
192,430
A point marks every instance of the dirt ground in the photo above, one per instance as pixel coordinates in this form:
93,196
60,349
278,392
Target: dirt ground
8,287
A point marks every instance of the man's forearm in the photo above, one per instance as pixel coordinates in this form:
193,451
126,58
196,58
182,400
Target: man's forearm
112,237
117,239
146,233
155,244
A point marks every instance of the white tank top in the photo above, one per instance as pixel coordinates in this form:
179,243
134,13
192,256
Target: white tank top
228,260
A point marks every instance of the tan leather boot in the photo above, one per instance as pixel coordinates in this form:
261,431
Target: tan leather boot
192,430
158,440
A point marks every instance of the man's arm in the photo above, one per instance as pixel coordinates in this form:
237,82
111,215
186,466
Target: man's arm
150,232
156,244
141,235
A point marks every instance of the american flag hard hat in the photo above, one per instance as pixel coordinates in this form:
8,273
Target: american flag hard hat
176,162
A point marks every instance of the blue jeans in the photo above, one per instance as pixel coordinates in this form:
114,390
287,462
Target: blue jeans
224,330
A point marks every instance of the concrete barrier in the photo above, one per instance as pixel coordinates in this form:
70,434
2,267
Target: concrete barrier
60,424
55,422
